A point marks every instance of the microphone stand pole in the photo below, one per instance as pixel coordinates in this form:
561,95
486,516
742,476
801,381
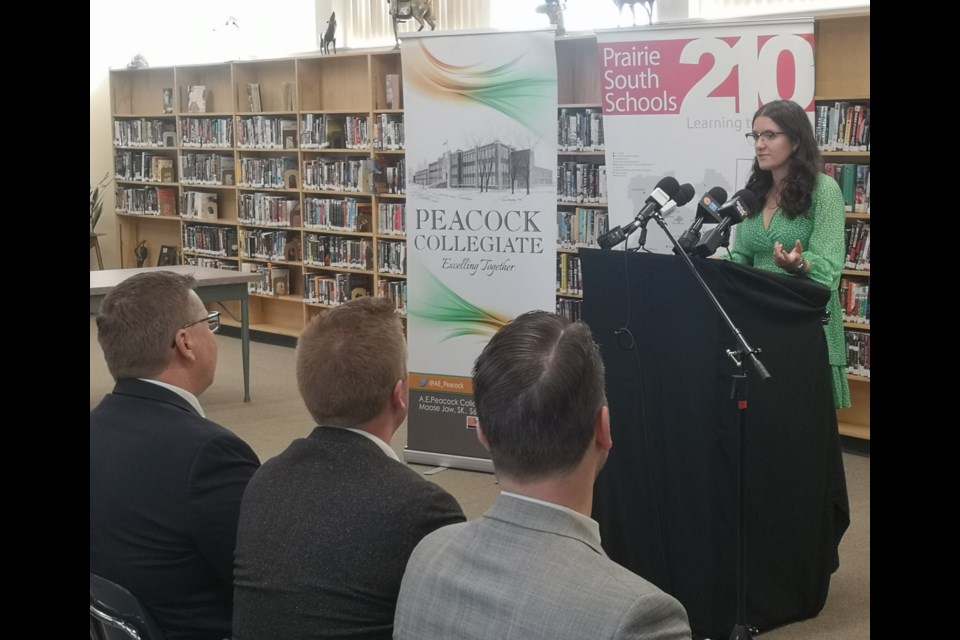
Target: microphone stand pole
642,240
739,393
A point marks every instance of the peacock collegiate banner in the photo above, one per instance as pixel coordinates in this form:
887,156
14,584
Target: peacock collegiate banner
480,113
677,101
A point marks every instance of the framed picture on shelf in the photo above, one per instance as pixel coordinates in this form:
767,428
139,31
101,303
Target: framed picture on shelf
168,256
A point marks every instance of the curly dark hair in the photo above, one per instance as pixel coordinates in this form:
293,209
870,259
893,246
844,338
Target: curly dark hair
797,189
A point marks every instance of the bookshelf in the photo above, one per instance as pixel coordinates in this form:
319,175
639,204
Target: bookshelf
273,166
843,76
581,170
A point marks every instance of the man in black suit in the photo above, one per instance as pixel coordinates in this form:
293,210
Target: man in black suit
165,482
327,526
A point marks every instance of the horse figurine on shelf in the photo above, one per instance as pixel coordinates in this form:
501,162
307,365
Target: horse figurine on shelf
646,4
419,10
330,35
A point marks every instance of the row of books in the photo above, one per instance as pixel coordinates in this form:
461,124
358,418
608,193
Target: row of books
858,353
569,276
854,181
207,168
263,244
580,130
144,132
581,227
842,126
314,132
345,214
388,133
206,132
210,263
267,132
581,182
855,300
143,166
217,241
335,289
858,246
392,258
198,95
392,86
396,291
392,218
199,205
569,308
254,99
275,282
268,173
269,210
390,175
146,201
338,251
337,175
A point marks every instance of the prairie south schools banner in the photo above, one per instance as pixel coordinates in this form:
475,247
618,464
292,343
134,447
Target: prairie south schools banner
678,101
480,113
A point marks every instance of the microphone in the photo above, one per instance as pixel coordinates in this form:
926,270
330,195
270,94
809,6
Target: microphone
664,191
707,211
684,195
742,204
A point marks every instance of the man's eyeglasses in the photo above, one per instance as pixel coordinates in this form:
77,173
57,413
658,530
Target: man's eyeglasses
212,320
766,135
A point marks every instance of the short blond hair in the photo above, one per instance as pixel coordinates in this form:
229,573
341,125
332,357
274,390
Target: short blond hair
138,320
349,359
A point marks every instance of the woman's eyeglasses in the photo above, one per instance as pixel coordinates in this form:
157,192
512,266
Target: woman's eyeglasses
766,135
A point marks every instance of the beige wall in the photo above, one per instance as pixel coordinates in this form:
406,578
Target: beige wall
102,45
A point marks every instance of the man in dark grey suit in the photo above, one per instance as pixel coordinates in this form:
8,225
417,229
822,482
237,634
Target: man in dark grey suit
326,527
532,567
165,482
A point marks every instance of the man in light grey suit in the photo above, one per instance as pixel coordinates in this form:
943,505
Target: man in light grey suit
532,567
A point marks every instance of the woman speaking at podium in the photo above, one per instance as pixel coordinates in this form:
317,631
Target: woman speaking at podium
800,229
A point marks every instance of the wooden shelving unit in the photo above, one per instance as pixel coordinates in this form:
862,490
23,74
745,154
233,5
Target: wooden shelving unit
843,74
350,84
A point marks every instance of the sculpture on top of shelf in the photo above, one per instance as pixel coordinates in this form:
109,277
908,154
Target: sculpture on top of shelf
554,10
646,4
420,10
229,22
138,62
330,35
140,253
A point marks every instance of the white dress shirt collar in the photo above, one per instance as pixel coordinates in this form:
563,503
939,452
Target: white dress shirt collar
183,393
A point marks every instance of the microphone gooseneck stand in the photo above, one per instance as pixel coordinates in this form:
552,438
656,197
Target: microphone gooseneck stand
739,393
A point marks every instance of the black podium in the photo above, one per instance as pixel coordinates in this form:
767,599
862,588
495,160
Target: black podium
666,500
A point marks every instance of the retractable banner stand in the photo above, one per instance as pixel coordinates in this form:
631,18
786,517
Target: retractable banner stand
678,100
480,113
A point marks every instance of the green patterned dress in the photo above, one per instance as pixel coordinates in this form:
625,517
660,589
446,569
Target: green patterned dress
821,232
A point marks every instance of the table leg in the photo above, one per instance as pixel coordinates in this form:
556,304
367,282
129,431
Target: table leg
245,344
96,245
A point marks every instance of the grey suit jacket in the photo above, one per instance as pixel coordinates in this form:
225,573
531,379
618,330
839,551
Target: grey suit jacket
524,571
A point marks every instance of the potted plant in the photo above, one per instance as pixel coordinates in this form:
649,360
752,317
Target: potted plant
96,200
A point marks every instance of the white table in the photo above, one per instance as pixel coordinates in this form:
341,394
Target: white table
213,285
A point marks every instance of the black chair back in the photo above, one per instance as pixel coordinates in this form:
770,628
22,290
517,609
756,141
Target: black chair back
118,614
